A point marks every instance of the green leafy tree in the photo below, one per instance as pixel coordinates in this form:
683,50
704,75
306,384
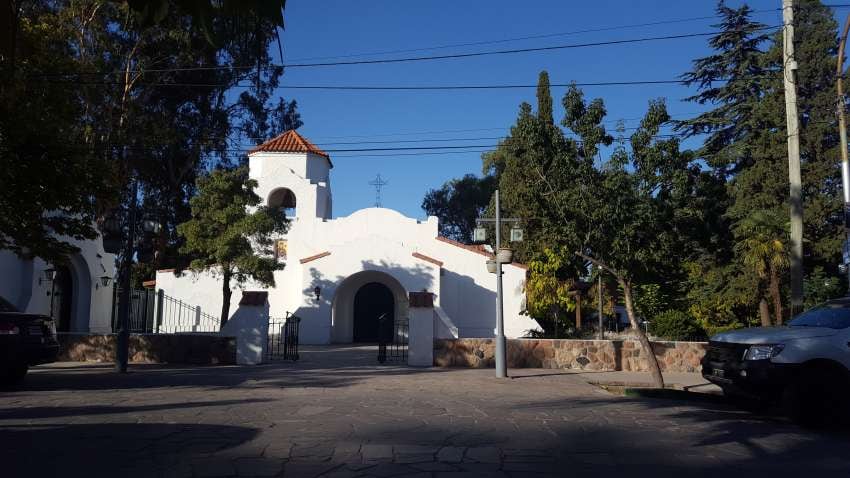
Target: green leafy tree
230,233
746,145
458,203
83,109
547,290
675,324
762,247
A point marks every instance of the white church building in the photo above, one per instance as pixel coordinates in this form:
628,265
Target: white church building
342,274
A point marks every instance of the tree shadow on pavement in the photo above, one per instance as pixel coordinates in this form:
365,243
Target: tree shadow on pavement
29,413
116,449
320,367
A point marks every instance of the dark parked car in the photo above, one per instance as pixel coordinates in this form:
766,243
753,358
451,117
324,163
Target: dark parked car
25,340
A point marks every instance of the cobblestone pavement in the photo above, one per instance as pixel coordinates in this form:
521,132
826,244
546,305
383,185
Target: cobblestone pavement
338,414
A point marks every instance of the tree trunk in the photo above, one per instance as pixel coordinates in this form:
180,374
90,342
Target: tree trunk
578,312
764,312
651,360
776,295
225,296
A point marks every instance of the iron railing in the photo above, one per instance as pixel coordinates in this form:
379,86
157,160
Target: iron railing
283,338
392,340
153,312
142,310
174,316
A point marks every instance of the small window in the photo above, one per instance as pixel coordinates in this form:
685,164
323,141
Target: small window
283,198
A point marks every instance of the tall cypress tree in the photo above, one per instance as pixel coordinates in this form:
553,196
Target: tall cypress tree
544,99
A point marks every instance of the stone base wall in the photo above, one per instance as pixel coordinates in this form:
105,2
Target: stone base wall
195,349
594,355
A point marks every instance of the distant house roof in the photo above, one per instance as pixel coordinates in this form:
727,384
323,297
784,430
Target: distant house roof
290,142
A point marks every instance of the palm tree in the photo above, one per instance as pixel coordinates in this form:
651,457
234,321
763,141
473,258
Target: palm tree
761,245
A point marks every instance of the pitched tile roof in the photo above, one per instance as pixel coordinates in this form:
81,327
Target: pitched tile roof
289,142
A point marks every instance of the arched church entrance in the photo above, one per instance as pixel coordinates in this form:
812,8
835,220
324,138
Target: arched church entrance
360,300
374,313
63,298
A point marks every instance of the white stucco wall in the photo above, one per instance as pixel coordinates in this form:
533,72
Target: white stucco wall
91,302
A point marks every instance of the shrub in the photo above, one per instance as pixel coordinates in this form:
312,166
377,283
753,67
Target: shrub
676,325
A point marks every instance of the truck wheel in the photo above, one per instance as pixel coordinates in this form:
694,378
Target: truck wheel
813,398
13,375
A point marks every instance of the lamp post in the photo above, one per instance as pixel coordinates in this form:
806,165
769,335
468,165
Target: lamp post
516,235
113,244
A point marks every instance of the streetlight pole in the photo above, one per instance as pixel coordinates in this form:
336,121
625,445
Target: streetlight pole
501,352
122,349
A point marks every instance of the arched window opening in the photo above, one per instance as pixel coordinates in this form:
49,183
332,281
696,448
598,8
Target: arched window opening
283,198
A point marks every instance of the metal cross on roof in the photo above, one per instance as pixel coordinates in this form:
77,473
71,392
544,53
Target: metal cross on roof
378,183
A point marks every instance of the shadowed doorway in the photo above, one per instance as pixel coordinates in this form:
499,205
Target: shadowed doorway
373,301
63,292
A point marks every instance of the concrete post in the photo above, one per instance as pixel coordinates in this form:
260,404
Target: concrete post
160,302
420,342
197,318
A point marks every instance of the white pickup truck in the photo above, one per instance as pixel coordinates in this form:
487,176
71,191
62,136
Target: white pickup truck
804,365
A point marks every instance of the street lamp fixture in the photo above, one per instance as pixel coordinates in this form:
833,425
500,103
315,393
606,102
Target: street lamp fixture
318,292
151,226
105,280
47,276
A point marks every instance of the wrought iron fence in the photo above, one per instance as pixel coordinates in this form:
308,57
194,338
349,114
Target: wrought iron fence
283,338
154,312
142,310
392,340
174,316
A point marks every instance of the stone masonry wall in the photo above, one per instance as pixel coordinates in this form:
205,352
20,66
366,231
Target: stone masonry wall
196,349
595,355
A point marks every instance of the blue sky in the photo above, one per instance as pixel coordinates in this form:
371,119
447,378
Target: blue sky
316,29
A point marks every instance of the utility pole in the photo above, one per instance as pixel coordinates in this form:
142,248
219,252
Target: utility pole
796,188
501,348
842,133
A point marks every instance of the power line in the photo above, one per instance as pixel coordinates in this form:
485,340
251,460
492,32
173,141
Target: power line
396,87
428,57
537,37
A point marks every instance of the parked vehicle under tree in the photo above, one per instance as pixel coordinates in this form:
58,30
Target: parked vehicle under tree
804,365
25,340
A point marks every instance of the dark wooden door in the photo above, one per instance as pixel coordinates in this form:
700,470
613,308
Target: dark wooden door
374,312
63,292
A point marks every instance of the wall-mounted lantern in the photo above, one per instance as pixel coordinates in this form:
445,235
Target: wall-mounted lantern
318,291
47,276
516,234
105,280
479,234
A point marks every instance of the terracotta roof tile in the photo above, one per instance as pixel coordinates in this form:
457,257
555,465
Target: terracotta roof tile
478,249
290,142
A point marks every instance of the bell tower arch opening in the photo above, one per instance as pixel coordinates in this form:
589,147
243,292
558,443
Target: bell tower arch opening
283,198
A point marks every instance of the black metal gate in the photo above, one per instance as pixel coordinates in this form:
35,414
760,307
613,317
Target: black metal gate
283,338
392,342
142,306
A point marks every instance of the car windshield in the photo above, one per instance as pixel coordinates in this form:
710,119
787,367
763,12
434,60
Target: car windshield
833,316
5,306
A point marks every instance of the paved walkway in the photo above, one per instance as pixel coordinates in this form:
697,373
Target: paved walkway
338,414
